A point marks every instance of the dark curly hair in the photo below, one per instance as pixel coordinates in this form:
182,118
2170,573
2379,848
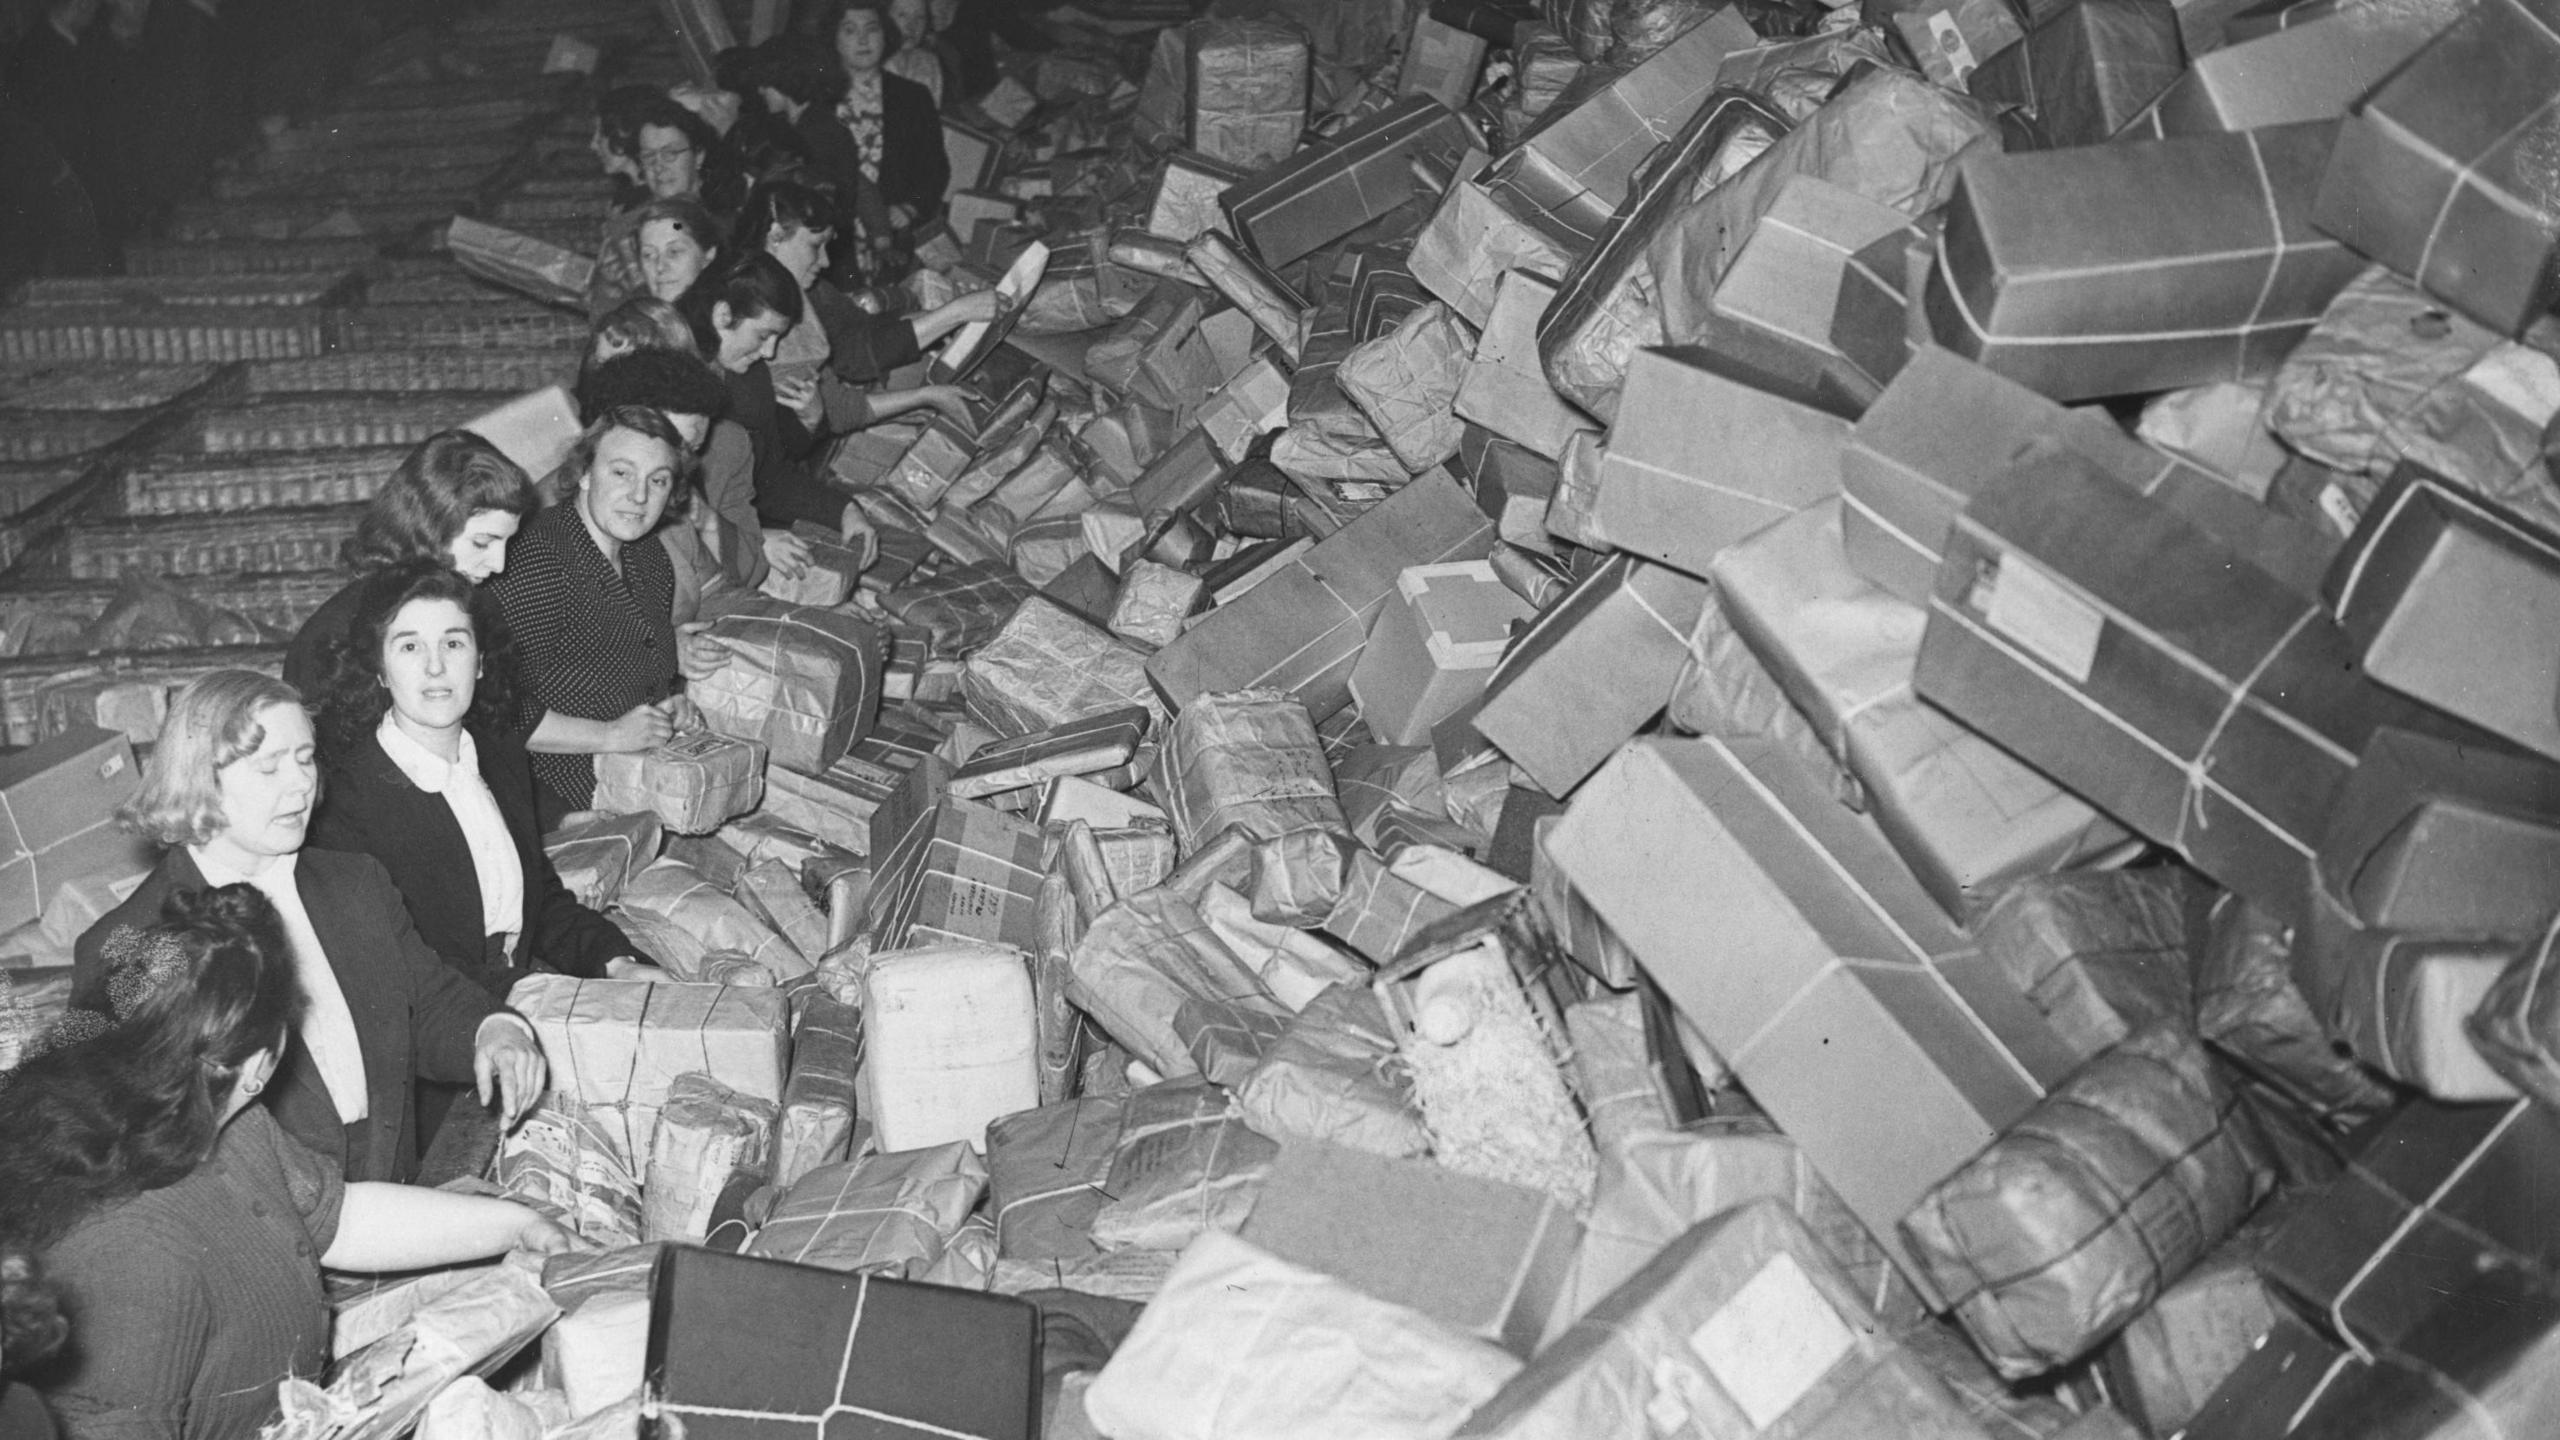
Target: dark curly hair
825,17
803,68
675,382
787,205
751,283
451,476
136,1105
356,698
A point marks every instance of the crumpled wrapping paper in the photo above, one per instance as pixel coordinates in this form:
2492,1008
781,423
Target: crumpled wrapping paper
1295,965
1239,1345
468,1409
1296,876
380,1392
692,783
1248,90
1185,1163
684,898
2101,953
1798,75
1140,960
889,1214
1247,760
708,1134
596,856
772,892
565,1159
2075,1220
803,682
1723,690
1046,1168
616,1046
1335,1075
816,1126
1470,243
1314,452
1153,602
1406,381
1614,1069
2517,1027
1274,309
538,268
1047,667
2248,1005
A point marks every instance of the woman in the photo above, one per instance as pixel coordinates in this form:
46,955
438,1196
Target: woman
739,314
423,777
680,158
455,498
639,323
678,241
720,558
790,222
801,82
589,606
896,130
183,1222
918,56
229,789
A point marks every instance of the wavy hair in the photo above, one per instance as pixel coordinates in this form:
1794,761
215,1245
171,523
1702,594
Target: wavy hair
750,284
357,699
213,721
643,322
137,1106
451,476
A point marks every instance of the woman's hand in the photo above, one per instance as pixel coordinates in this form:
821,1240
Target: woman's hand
684,713
902,217
976,307
543,1235
857,530
509,1067
950,402
787,553
800,394
642,727
698,655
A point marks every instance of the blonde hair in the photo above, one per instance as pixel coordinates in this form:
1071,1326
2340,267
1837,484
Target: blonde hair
212,722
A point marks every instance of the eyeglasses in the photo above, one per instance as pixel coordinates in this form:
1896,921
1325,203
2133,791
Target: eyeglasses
665,154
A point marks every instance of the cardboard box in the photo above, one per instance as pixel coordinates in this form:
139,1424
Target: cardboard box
1701,458
1516,486
948,870
2151,669
1740,1328
975,155
616,1046
818,1095
1951,38
737,1344
2311,72
802,682
1878,321
2100,952
1248,761
1784,286
950,1042
2165,1366
2072,272
1301,629
1484,1258
1591,670
1831,978
1573,169
2079,76
58,802
1049,666
1248,90
2484,1361
1962,813
1433,647
1441,61
2444,596
1406,380
1504,390
1294,208
2432,834
2277,1382
2402,1001
547,272
2441,172
1471,242
1251,405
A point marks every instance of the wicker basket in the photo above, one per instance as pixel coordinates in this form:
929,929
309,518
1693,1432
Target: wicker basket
54,435
274,541
410,371
161,335
340,423
257,482
393,327
99,388
245,257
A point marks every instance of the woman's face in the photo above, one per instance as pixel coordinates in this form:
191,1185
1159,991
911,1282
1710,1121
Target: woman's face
694,428
914,18
669,165
430,664
803,252
744,342
267,794
480,551
670,258
860,42
625,489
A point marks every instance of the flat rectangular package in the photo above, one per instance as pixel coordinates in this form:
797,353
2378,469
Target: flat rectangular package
58,803
1784,285
2443,171
950,1042
2453,601
1814,964
1049,666
2309,72
949,871
1701,458
1963,813
1301,629
2432,834
693,783
2148,265
1592,669
1504,390
1302,204
2148,667
738,1344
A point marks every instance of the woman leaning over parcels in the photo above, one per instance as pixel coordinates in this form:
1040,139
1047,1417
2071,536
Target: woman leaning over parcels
456,498
422,775
230,789
185,1223
588,600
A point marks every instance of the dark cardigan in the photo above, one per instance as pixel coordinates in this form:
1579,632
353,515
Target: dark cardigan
370,807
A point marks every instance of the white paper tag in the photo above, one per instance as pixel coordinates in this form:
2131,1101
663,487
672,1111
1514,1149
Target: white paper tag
1773,1341
2035,610
1953,46
2338,509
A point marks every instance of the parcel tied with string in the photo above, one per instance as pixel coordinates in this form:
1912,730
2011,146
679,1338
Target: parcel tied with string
804,682
1246,760
615,1047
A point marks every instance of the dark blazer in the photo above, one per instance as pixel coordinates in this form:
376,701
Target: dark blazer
416,1017
370,807
914,168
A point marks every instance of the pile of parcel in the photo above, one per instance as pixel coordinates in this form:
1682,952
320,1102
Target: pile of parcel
1706,722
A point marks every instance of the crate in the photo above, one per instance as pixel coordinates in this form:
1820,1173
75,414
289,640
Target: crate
256,482
100,388
339,423
246,257
393,327
273,541
410,371
162,334
56,435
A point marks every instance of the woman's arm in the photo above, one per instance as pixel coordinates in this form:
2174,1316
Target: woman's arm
387,1228
948,401
933,324
642,727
